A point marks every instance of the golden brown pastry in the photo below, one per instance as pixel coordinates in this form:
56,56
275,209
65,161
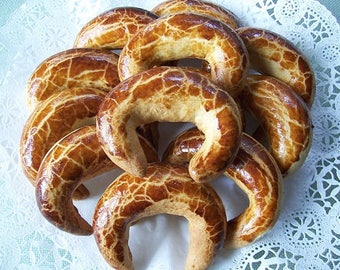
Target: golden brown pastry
254,171
273,55
71,161
165,189
284,117
54,118
113,28
68,89
72,68
198,7
170,94
179,36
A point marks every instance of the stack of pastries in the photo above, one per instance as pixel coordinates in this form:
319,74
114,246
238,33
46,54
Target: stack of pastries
97,107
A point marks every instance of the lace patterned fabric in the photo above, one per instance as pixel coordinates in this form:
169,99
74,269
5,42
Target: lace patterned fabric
307,233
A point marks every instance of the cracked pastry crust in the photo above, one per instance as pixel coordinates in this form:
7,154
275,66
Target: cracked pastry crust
187,35
254,170
81,67
169,94
165,189
113,28
71,161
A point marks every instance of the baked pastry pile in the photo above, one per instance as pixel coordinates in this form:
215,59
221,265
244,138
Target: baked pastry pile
94,110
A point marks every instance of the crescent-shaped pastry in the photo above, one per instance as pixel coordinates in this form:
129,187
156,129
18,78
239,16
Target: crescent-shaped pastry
54,118
72,68
165,189
198,7
169,94
273,55
254,171
284,117
186,35
72,160
113,28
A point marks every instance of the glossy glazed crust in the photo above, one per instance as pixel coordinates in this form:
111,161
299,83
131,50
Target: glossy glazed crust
165,189
72,68
54,118
71,161
284,117
272,54
257,174
74,159
254,171
113,28
169,94
198,7
181,36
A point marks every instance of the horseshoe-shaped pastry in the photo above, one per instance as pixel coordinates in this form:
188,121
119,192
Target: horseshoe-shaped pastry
71,161
72,68
113,28
164,189
54,118
273,55
198,7
284,117
254,171
169,94
179,36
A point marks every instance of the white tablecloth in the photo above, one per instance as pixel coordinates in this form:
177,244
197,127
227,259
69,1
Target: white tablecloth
306,236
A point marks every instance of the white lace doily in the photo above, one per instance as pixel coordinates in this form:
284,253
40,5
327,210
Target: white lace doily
307,233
